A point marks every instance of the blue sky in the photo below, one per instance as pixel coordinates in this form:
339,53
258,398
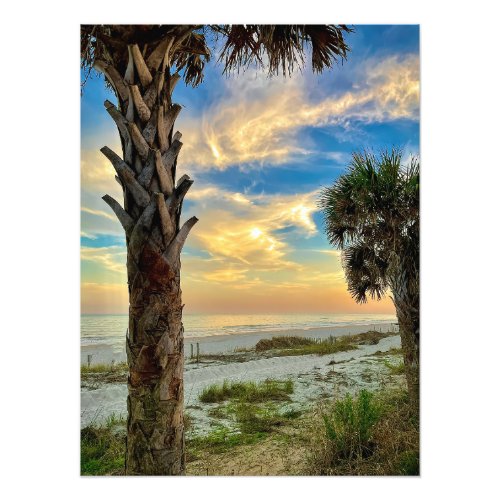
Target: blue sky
259,149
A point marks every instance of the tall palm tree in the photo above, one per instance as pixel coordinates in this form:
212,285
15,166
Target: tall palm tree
142,64
372,214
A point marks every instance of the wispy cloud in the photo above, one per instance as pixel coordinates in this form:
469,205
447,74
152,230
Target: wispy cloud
99,213
259,120
107,258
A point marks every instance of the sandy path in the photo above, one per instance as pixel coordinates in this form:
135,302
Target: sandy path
313,376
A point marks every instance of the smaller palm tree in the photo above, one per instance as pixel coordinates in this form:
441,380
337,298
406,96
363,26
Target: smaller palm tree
372,214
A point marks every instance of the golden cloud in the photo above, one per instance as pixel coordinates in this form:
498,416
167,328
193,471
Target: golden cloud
242,231
259,119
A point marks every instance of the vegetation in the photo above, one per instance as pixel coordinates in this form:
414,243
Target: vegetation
248,392
103,368
372,214
142,65
298,346
220,440
283,342
398,369
371,434
349,425
252,418
102,448
254,423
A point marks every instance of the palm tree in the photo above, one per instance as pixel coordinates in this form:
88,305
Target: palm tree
372,214
142,65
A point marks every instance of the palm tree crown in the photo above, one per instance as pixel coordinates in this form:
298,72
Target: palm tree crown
372,214
280,48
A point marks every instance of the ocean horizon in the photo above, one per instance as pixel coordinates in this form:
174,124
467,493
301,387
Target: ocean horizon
110,329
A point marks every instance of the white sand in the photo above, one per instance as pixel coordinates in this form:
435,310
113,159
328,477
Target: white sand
313,375
228,343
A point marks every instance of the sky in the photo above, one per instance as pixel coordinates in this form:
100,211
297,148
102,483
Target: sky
259,150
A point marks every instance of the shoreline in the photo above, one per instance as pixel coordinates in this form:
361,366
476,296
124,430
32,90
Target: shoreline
215,344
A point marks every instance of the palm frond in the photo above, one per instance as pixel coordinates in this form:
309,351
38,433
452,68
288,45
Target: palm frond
281,48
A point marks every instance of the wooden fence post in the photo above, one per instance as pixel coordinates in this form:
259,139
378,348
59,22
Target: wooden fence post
197,352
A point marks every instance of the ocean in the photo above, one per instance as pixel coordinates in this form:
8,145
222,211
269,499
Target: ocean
109,330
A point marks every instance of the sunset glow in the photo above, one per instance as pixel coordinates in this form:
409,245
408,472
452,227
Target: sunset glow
259,150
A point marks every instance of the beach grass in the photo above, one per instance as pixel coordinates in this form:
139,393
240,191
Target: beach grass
100,368
299,346
394,351
249,392
398,369
252,418
370,434
102,448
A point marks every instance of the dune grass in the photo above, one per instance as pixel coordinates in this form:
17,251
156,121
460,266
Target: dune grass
370,434
249,392
398,369
102,448
299,346
100,368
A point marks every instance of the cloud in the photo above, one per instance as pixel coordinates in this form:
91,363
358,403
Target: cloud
259,120
83,234
108,259
243,232
100,213
97,173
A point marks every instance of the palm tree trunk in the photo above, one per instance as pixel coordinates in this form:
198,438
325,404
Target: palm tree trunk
409,331
406,301
150,217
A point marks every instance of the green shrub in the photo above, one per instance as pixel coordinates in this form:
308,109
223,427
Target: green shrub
349,425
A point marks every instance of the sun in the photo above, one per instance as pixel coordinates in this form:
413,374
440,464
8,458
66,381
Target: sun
255,233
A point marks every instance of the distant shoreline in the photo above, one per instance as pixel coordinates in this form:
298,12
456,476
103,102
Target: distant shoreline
211,344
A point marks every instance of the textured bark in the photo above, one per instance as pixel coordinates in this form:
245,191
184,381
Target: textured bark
150,217
404,286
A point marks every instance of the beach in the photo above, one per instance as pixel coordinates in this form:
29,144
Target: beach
103,337
233,357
